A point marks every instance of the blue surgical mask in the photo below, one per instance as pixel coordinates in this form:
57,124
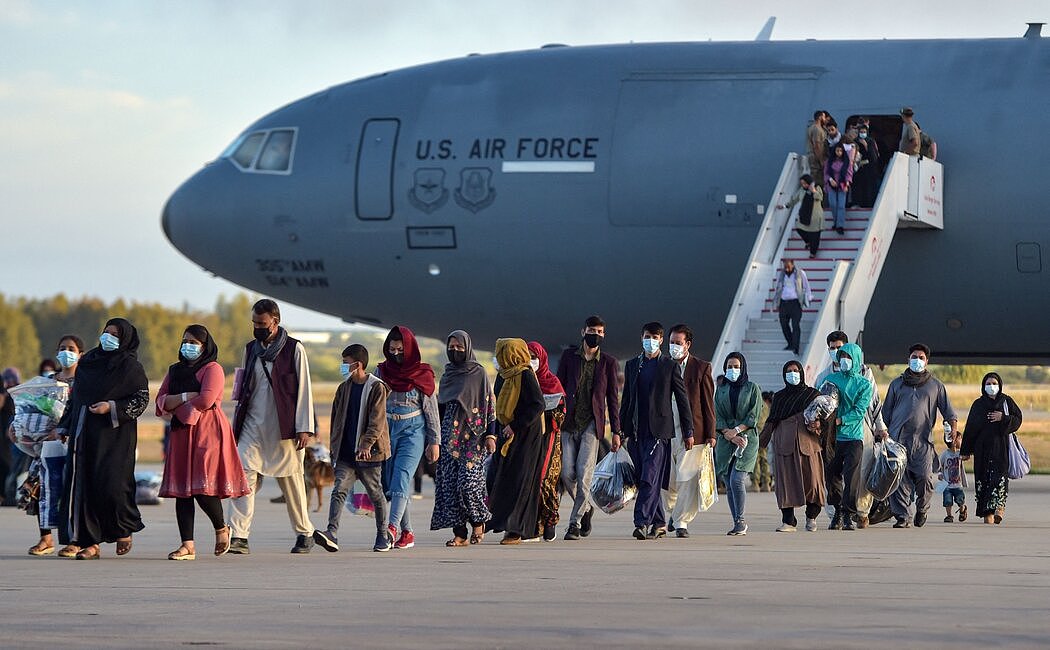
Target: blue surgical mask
732,374
67,358
917,365
190,351
862,135
108,342
793,378
651,346
845,364
834,354
677,352
344,370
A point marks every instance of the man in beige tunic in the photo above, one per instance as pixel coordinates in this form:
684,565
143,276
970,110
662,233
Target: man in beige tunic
273,423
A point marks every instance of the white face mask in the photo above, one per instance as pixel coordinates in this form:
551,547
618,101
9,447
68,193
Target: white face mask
651,345
677,352
991,389
834,354
917,365
845,364
535,365
793,378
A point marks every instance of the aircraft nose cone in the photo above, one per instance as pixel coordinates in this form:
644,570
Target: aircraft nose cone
165,221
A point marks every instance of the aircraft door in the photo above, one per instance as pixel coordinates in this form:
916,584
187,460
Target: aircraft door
374,189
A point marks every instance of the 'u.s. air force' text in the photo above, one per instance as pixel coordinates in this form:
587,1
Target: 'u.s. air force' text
545,148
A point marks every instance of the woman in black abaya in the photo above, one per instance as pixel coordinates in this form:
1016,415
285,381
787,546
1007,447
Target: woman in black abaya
986,437
111,392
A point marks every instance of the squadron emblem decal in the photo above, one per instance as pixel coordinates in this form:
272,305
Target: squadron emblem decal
475,191
428,192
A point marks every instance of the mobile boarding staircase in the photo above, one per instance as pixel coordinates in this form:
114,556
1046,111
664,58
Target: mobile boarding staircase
842,277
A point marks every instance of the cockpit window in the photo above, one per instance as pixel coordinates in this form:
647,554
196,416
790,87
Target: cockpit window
244,156
250,154
277,154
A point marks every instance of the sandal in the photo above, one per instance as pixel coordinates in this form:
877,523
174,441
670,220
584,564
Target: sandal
41,549
477,537
70,550
510,540
124,545
90,553
457,541
221,547
182,553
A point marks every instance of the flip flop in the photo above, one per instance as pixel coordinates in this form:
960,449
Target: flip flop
182,553
457,541
90,553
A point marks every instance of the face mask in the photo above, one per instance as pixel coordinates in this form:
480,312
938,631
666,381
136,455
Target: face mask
917,365
793,378
593,340
108,342
991,389
457,356
834,354
535,365
677,352
261,333
495,364
732,374
845,364
651,346
344,370
862,136
190,350
399,358
67,358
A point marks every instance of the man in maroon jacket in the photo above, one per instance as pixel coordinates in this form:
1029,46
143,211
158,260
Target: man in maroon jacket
700,385
588,376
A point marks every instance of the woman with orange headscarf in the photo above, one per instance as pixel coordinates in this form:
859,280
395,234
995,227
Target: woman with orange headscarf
515,495
553,416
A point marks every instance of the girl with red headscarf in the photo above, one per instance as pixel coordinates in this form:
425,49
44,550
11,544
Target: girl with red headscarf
553,415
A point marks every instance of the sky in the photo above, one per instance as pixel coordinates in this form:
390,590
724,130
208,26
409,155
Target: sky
107,106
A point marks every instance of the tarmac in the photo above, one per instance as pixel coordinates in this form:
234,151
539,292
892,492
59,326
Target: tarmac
942,586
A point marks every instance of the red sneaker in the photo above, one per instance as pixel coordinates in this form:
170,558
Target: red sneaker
407,540
392,530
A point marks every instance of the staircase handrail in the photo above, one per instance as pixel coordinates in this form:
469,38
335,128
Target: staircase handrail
751,291
855,296
815,356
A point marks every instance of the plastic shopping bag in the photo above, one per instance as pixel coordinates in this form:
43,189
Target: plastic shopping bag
358,502
886,472
613,485
708,485
688,465
39,405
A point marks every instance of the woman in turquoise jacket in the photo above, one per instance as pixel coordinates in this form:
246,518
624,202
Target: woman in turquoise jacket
854,397
738,404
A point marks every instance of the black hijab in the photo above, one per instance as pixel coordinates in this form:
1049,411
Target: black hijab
735,386
182,376
993,403
466,383
103,376
790,400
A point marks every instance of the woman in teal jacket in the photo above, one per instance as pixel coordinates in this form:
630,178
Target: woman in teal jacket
738,404
854,398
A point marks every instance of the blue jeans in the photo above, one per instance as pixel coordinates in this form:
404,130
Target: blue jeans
736,493
406,448
837,199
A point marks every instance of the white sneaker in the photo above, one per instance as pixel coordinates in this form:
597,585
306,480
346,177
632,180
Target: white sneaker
811,525
786,528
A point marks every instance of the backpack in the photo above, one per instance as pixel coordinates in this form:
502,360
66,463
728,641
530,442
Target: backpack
925,145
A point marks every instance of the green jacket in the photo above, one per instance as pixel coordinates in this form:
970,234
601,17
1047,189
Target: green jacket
748,410
854,396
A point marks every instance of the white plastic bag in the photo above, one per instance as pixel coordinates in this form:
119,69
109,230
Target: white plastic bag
708,492
613,485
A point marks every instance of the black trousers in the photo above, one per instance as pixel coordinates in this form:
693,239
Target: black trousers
812,240
791,322
845,465
212,506
788,514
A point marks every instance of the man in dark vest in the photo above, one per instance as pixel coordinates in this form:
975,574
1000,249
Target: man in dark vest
273,423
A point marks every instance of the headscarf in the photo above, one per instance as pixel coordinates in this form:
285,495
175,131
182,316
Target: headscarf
12,376
993,403
735,386
466,383
977,420
411,373
182,376
790,400
549,383
104,376
513,358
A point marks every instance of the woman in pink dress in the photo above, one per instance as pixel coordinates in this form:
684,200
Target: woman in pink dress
202,462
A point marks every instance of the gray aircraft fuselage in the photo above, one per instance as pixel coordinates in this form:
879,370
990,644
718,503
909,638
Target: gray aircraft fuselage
400,206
